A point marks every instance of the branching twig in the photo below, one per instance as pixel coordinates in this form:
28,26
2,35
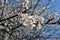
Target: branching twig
26,10
35,6
4,30
16,27
57,22
49,20
8,18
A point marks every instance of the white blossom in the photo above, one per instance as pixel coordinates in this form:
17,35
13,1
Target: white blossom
27,1
56,14
44,8
30,20
48,6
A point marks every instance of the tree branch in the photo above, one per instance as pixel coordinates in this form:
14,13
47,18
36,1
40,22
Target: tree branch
35,6
17,27
8,18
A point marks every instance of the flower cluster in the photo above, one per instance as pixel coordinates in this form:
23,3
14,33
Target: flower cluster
32,21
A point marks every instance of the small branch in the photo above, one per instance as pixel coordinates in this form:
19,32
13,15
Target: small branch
49,20
57,22
8,18
17,27
26,10
35,6
4,30
48,3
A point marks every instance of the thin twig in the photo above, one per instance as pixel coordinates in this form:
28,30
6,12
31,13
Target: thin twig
8,18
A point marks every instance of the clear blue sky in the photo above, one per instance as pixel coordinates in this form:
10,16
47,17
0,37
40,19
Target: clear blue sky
56,5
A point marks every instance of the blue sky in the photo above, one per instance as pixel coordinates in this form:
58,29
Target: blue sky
56,4
13,1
